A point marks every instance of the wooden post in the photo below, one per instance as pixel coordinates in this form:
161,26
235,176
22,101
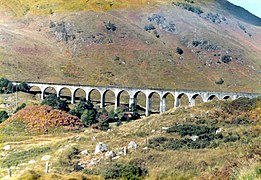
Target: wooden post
47,167
9,172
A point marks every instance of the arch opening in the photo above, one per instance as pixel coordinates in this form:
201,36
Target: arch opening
109,98
95,96
196,99
36,91
78,94
154,103
213,98
140,102
65,94
123,99
169,101
227,98
183,100
49,91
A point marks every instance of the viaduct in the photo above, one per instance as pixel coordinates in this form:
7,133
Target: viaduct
205,96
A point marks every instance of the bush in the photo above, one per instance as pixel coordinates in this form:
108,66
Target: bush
179,51
220,81
24,87
53,101
149,27
3,116
226,59
110,26
20,107
190,129
242,104
125,171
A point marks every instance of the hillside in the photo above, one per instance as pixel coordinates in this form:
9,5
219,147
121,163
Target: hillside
216,140
160,44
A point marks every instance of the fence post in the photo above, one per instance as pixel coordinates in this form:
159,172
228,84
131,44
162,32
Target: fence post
47,167
9,172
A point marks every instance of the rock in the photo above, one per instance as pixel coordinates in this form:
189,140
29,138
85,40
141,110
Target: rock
32,161
218,130
7,148
164,128
93,162
194,138
110,154
46,158
132,145
145,148
101,147
116,157
153,131
84,152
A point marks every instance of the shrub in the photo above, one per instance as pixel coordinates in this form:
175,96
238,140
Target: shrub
179,51
125,171
242,104
190,129
24,87
88,117
220,81
20,107
53,101
110,26
149,27
3,116
226,59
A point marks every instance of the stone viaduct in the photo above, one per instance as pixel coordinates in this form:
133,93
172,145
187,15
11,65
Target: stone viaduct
206,96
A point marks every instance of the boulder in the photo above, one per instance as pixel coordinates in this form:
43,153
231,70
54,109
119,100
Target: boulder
110,154
32,161
101,147
194,138
7,148
132,145
84,152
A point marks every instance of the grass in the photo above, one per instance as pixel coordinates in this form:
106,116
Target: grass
237,159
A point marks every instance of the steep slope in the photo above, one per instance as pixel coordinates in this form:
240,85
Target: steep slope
131,43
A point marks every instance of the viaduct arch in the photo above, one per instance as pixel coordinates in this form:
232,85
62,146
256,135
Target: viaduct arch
205,96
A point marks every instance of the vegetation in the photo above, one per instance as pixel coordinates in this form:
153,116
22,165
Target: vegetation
3,116
55,102
189,7
125,171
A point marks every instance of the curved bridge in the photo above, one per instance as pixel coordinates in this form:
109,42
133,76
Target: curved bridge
206,96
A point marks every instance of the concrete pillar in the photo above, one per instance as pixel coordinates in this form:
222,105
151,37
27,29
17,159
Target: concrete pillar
42,95
102,99
147,113
117,101
163,105
73,98
192,102
132,101
176,102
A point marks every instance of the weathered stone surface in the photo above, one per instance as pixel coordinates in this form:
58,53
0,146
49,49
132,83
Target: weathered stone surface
7,148
101,147
132,145
84,152
110,154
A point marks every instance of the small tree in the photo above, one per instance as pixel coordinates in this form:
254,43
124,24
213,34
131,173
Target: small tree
53,101
24,87
88,117
3,116
20,107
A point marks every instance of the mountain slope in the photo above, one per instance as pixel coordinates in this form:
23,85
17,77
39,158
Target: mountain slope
131,43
